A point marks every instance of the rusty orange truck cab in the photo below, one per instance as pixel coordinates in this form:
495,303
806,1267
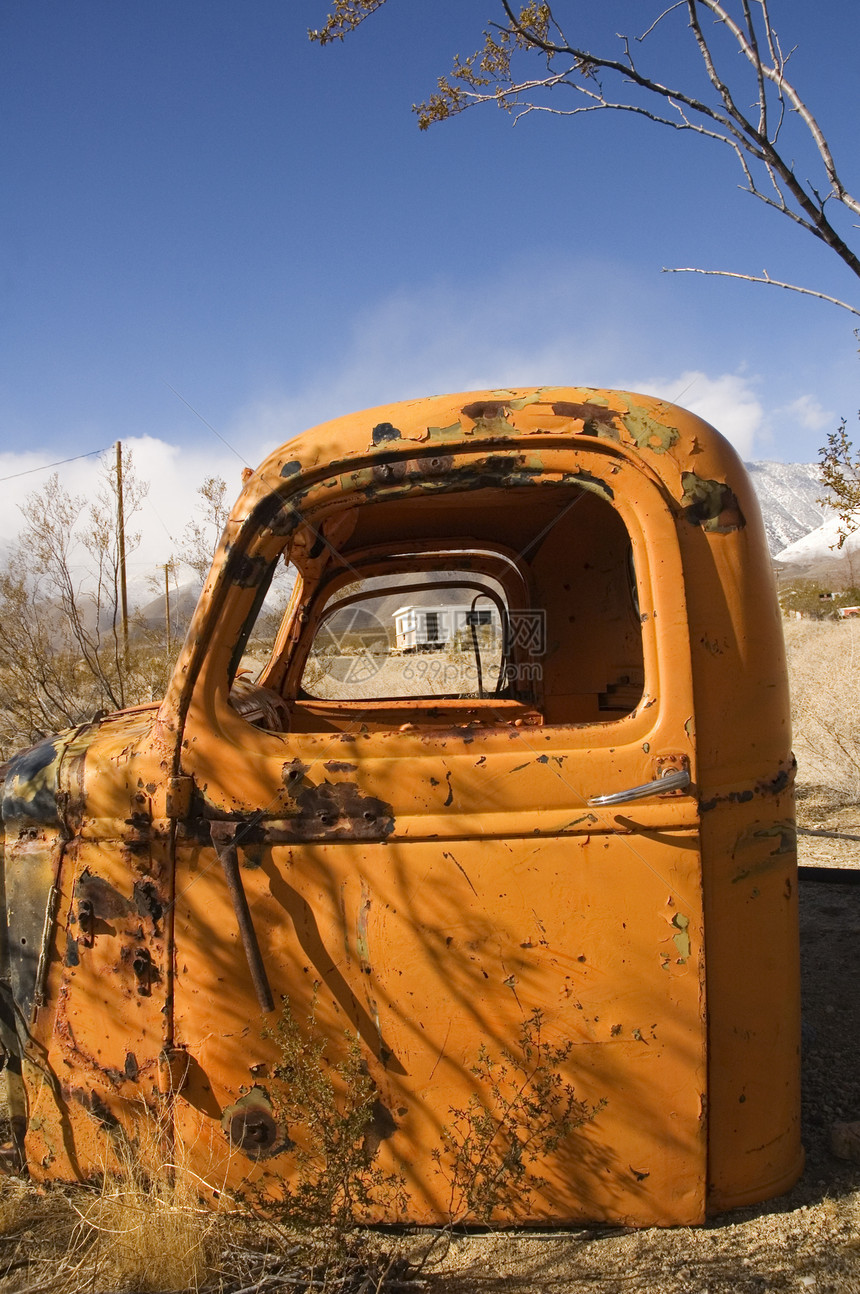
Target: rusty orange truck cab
515,780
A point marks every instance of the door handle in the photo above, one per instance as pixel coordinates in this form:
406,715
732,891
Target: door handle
674,780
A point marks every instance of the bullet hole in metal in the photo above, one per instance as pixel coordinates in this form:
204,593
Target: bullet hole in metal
253,1131
143,969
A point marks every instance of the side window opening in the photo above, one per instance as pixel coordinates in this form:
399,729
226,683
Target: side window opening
261,639
259,705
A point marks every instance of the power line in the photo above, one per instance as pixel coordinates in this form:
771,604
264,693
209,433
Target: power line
59,463
199,415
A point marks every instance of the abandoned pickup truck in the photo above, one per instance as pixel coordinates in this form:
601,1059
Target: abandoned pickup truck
519,761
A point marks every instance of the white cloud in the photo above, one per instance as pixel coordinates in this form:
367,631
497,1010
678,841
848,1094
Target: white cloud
808,413
173,474
558,324
528,330
727,401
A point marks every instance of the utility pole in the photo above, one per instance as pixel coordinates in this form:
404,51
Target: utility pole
167,566
120,525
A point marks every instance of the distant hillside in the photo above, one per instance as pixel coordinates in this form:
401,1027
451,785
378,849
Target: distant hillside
183,600
788,494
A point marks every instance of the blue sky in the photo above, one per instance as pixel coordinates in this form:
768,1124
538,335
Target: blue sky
199,201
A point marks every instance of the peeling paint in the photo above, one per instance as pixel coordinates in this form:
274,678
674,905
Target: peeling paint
711,505
776,842
682,938
648,433
489,415
595,485
451,432
30,789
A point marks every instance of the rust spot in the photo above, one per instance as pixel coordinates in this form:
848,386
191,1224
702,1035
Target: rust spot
783,778
147,901
106,903
384,431
589,413
485,410
282,515
86,923
436,465
254,1131
278,515
246,572
389,473
330,811
293,772
174,1065
144,971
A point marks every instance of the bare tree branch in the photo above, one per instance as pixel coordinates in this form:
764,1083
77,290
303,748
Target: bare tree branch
775,74
492,75
765,278
679,4
762,96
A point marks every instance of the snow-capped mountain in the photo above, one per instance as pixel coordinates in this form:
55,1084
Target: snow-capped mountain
788,494
803,536
817,556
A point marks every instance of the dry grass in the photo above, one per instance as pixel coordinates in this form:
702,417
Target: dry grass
144,1228
147,1228
151,1224
824,669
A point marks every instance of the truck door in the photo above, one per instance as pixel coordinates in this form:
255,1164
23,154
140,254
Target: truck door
437,864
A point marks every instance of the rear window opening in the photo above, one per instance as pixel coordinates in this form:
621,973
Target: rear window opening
440,635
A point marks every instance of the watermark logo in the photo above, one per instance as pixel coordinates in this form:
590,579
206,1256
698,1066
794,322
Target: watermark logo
349,650
526,630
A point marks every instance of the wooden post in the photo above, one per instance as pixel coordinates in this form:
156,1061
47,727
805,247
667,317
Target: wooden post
167,566
120,525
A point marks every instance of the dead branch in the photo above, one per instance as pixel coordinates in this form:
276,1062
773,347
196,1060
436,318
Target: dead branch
492,76
765,278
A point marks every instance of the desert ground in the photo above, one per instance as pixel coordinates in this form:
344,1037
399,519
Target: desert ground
808,1239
